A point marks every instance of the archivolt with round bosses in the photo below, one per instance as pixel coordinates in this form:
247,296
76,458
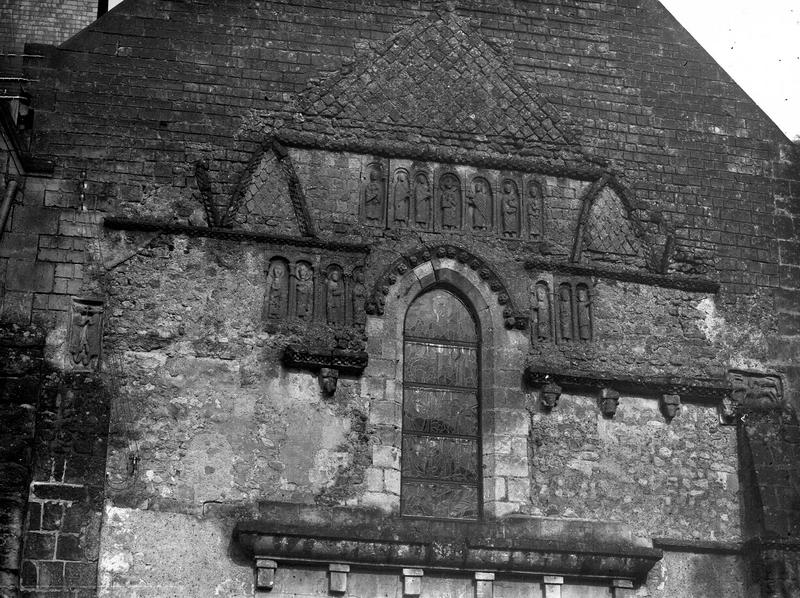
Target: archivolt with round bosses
376,302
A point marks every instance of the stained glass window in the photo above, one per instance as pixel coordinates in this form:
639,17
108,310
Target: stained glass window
441,474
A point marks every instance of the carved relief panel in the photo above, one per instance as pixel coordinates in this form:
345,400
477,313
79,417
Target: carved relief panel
313,288
85,334
373,194
561,312
402,193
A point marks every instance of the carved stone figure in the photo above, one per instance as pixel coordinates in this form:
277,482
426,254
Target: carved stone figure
755,391
422,199
609,401
86,334
584,313
670,406
304,291
480,205
335,295
328,378
550,394
565,312
534,210
373,197
450,200
402,196
509,202
540,306
277,290
359,296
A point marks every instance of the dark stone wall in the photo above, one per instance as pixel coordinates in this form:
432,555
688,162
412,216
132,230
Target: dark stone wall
20,379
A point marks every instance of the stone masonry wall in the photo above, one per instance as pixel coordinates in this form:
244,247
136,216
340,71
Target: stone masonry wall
163,110
50,22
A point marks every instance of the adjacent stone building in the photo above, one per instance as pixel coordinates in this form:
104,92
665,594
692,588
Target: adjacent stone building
395,299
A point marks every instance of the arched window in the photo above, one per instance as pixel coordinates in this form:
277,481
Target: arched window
440,465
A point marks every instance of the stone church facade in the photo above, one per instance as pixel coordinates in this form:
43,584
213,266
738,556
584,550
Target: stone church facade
420,299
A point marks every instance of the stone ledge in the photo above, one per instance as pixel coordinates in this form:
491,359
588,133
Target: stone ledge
229,234
667,281
517,544
698,546
701,389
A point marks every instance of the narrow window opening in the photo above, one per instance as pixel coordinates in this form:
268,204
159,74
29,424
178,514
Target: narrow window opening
441,448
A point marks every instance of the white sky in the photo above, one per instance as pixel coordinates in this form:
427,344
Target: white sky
757,43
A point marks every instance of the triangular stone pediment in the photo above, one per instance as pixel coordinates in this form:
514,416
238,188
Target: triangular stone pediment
436,81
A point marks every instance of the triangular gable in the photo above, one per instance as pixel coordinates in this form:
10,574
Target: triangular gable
610,235
437,81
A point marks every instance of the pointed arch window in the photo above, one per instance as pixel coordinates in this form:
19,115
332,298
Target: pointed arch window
440,465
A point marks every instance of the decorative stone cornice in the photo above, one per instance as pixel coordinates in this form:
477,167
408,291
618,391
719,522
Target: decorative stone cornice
667,281
699,389
346,362
228,234
519,545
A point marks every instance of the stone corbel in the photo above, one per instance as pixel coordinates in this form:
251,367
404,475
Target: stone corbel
670,406
337,578
328,364
484,584
552,586
265,574
549,395
621,588
412,582
608,401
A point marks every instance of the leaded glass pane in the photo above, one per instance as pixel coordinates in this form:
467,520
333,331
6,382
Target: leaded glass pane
426,499
435,411
441,365
441,458
441,471
439,314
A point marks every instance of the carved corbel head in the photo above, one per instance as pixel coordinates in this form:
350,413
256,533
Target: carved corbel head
608,401
670,406
727,411
549,396
328,378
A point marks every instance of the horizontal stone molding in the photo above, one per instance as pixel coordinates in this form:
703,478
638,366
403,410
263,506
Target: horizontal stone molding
228,234
583,167
518,545
667,281
698,547
699,389
346,362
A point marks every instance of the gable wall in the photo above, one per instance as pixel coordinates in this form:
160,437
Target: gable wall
141,95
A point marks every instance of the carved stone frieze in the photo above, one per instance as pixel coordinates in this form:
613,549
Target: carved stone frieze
377,300
313,288
402,193
563,315
345,362
85,334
